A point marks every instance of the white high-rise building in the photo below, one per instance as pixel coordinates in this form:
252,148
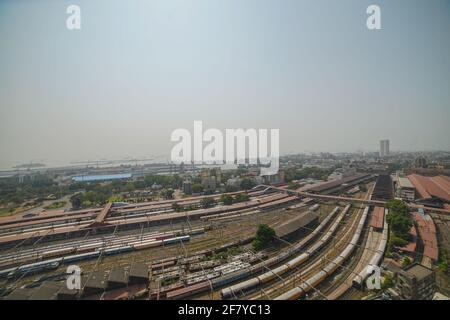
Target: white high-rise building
384,148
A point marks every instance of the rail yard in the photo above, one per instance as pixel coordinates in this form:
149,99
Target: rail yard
323,247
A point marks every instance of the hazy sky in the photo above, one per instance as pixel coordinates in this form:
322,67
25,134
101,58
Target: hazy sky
140,69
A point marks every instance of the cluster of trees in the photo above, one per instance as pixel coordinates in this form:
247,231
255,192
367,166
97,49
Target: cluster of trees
197,188
208,202
264,237
97,194
313,173
167,193
204,203
227,199
39,186
247,184
400,223
293,186
55,205
166,181
178,208
88,199
443,261
211,202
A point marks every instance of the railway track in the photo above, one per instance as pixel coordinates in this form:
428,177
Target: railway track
324,273
332,224
344,282
310,267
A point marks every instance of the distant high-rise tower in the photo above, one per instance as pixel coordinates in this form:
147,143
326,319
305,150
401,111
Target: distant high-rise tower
384,148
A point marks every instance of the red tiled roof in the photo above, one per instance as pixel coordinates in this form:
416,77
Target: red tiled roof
428,187
427,232
319,187
412,246
377,220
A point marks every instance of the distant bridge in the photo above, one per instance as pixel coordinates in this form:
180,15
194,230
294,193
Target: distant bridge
354,200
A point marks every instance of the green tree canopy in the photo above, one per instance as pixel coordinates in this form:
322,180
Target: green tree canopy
264,236
226,199
197,188
241,197
399,219
208,202
247,183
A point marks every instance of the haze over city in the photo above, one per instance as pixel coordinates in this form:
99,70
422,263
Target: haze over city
232,152
137,70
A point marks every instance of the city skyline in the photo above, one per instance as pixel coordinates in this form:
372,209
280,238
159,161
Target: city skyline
134,73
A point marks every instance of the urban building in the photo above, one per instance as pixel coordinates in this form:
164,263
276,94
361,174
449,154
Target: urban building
416,282
342,173
211,178
209,183
259,180
431,191
384,148
405,189
187,187
420,162
234,182
384,188
377,218
277,178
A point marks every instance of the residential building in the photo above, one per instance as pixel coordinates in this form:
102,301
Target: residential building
416,282
384,148
405,189
187,187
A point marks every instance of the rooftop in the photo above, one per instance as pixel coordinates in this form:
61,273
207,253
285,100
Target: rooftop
405,183
296,223
418,271
377,220
427,232
428,187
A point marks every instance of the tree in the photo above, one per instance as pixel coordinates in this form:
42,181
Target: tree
176,207
247,183
207,202
264,236
167,193
115,199
241,197
226,199
443,261
197,188
399,219
406,262
387,283
293,186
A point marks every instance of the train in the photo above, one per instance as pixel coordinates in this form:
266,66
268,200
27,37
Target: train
307,285
111,250
137,242
358,280
226,279
248,285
